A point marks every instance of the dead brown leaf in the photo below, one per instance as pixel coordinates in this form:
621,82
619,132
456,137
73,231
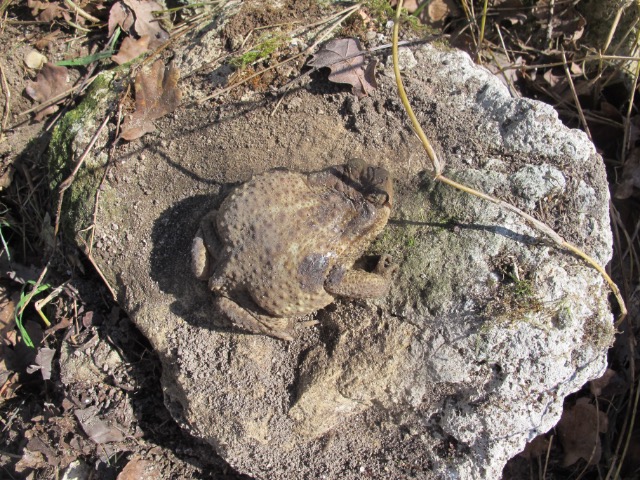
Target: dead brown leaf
579,432
439,10
596,386
630,183
345,59
157,93
97,429
120,15
131,49
536,447
410,5
8,303
43,361
566,21
45,11
50,82
47,40
8,300
512,11
136,18
9,387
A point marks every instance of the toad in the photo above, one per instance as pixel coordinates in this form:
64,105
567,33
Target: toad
284,244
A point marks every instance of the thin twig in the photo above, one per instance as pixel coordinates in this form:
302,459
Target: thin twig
81,12
483,22
546,458
552,4
437,175
7,100
575,96
405,101
614,27
627,124
39,304
55,99
69,180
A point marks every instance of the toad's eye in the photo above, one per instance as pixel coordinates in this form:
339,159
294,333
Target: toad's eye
378,198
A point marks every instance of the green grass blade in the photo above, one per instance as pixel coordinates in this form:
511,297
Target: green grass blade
24,299
78,62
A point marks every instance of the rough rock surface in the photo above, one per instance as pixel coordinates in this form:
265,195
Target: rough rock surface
486,328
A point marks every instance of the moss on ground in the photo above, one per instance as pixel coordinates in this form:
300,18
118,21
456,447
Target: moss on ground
69,139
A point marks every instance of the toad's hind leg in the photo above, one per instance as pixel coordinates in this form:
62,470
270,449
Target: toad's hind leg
361,284
254,322
206,247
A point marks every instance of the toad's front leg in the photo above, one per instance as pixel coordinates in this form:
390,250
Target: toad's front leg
360,284
254,322
206,247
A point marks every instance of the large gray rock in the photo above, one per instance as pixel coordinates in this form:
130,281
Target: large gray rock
487,327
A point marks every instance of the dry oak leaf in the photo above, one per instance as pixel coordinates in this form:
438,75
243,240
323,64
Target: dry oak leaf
579,431
98,430
43,361
120,15
136,17
438,11
131,49
45,11
409,5
536,447
596,386
629,184
50,82
345,59
157,94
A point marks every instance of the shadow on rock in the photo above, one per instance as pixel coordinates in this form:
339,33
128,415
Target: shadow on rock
172,236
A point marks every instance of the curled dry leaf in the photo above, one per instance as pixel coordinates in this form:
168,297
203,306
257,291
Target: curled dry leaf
345,59
157,94
136,18
50,82
35,60
131,49
579,431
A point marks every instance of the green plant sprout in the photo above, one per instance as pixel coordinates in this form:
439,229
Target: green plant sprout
266,46
25,298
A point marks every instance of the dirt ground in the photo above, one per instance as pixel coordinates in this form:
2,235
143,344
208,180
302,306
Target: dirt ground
94,358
